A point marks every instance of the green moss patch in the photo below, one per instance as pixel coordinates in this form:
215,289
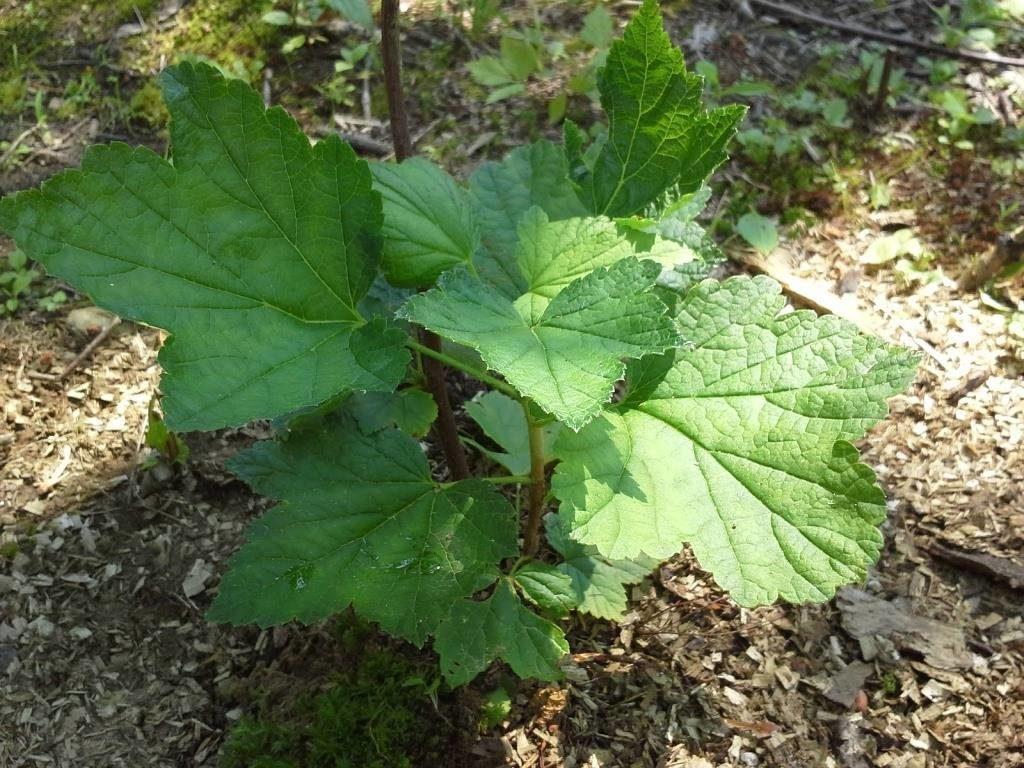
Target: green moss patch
378,714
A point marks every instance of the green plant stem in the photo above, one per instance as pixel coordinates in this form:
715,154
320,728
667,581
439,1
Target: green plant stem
508,479
538,486
476,373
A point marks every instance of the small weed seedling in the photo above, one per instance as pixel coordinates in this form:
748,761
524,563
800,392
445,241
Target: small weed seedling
16,282
638,406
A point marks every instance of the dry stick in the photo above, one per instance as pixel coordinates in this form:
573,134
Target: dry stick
16,143
366,144
885,37
91,347
390,49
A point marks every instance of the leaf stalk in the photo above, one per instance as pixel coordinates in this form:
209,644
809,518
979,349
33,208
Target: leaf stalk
476,373
508,479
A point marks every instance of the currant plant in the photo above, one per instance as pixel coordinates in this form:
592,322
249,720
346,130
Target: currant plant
567,280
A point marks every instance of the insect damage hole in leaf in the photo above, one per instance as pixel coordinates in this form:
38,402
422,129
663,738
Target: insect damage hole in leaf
558,275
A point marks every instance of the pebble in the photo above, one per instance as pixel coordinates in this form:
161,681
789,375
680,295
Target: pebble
42,626
8,657
88,321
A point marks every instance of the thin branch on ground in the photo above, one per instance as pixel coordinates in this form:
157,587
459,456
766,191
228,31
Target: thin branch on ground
798,15
93,345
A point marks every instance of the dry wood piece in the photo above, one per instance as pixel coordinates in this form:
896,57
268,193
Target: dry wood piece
940,643
367,144
1007,250
845,684
993,566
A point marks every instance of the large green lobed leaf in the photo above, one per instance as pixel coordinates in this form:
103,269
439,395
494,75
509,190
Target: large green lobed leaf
659,135
536,175
565,353
738,445
361,522
253,249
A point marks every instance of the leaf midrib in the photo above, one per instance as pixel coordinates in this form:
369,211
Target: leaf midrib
263,206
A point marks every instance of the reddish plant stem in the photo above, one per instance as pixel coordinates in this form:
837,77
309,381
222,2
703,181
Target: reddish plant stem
538,486
391,54
445,426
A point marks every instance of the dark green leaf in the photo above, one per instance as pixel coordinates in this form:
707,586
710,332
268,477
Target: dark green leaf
361,522
253,249
501,627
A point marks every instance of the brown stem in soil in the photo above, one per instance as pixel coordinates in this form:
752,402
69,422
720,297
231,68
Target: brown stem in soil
391,54
538,486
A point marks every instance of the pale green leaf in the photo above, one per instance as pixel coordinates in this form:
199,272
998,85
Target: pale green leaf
277,18
567,359
356,11
489,71
741,449
598,584
496,707
501,627
553,254
902,242
518,57
293,44
361,522
834,111
759,231
598,27
411,410
671,236
429,224
547,587
534,175
1012,8
253,249
503,421
504,92
17,259
659,134
879,194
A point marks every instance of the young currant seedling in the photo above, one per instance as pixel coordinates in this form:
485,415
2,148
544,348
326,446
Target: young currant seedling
555,275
